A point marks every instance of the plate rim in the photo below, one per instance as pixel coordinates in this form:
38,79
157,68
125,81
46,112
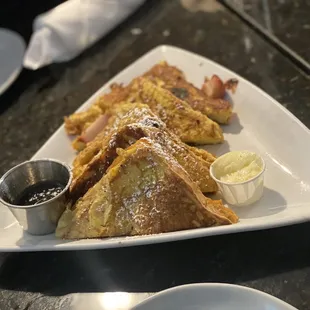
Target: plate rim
208,285
14,75
165,237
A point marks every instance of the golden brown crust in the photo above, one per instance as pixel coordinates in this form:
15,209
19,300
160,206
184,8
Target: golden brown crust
76,123
86,174
224,211
204,154
191,126
145,191
118,93
137,176
122,115
172,79
163,75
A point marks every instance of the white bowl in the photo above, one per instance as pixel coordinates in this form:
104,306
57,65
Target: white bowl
240,193
212,296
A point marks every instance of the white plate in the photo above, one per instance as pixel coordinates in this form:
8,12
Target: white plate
263,126
212,296
12,49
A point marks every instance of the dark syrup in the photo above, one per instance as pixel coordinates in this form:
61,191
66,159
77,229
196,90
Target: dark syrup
38,193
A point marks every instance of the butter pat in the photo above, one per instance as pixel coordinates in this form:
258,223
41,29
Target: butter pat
239,176
238,166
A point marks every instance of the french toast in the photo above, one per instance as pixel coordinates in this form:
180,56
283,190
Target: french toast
182,116
197,166
166,76
173,79
189,125
122,114
145,191
204,154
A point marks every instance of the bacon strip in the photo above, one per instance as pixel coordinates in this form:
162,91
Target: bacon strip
97,126
214,88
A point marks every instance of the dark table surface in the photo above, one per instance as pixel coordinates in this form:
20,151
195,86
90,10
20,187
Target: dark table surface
287,20
276,261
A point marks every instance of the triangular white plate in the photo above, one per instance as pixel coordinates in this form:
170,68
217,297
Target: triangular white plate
262,125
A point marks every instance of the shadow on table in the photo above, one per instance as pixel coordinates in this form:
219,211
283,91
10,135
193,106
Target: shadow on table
234,258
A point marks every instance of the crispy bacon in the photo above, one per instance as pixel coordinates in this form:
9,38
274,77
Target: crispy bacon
214,88
231,84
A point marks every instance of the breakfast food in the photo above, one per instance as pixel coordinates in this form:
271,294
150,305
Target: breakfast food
145,191
190,125
209,100
88,172
135,173
164,81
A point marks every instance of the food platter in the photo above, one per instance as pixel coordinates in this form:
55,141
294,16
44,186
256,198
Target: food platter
262,125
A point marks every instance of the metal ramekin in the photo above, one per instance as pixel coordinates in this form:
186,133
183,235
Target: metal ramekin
42,218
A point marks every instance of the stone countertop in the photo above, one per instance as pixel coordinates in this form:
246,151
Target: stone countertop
287,20
276,261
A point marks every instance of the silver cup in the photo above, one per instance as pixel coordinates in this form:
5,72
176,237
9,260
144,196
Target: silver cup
41,218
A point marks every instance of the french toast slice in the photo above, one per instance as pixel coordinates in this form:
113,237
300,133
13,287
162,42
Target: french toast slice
171,78
145,191
189,125
196,166
122,114
119,115
202,153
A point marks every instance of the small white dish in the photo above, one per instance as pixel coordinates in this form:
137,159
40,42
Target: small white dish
236,193
12,50
212,296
